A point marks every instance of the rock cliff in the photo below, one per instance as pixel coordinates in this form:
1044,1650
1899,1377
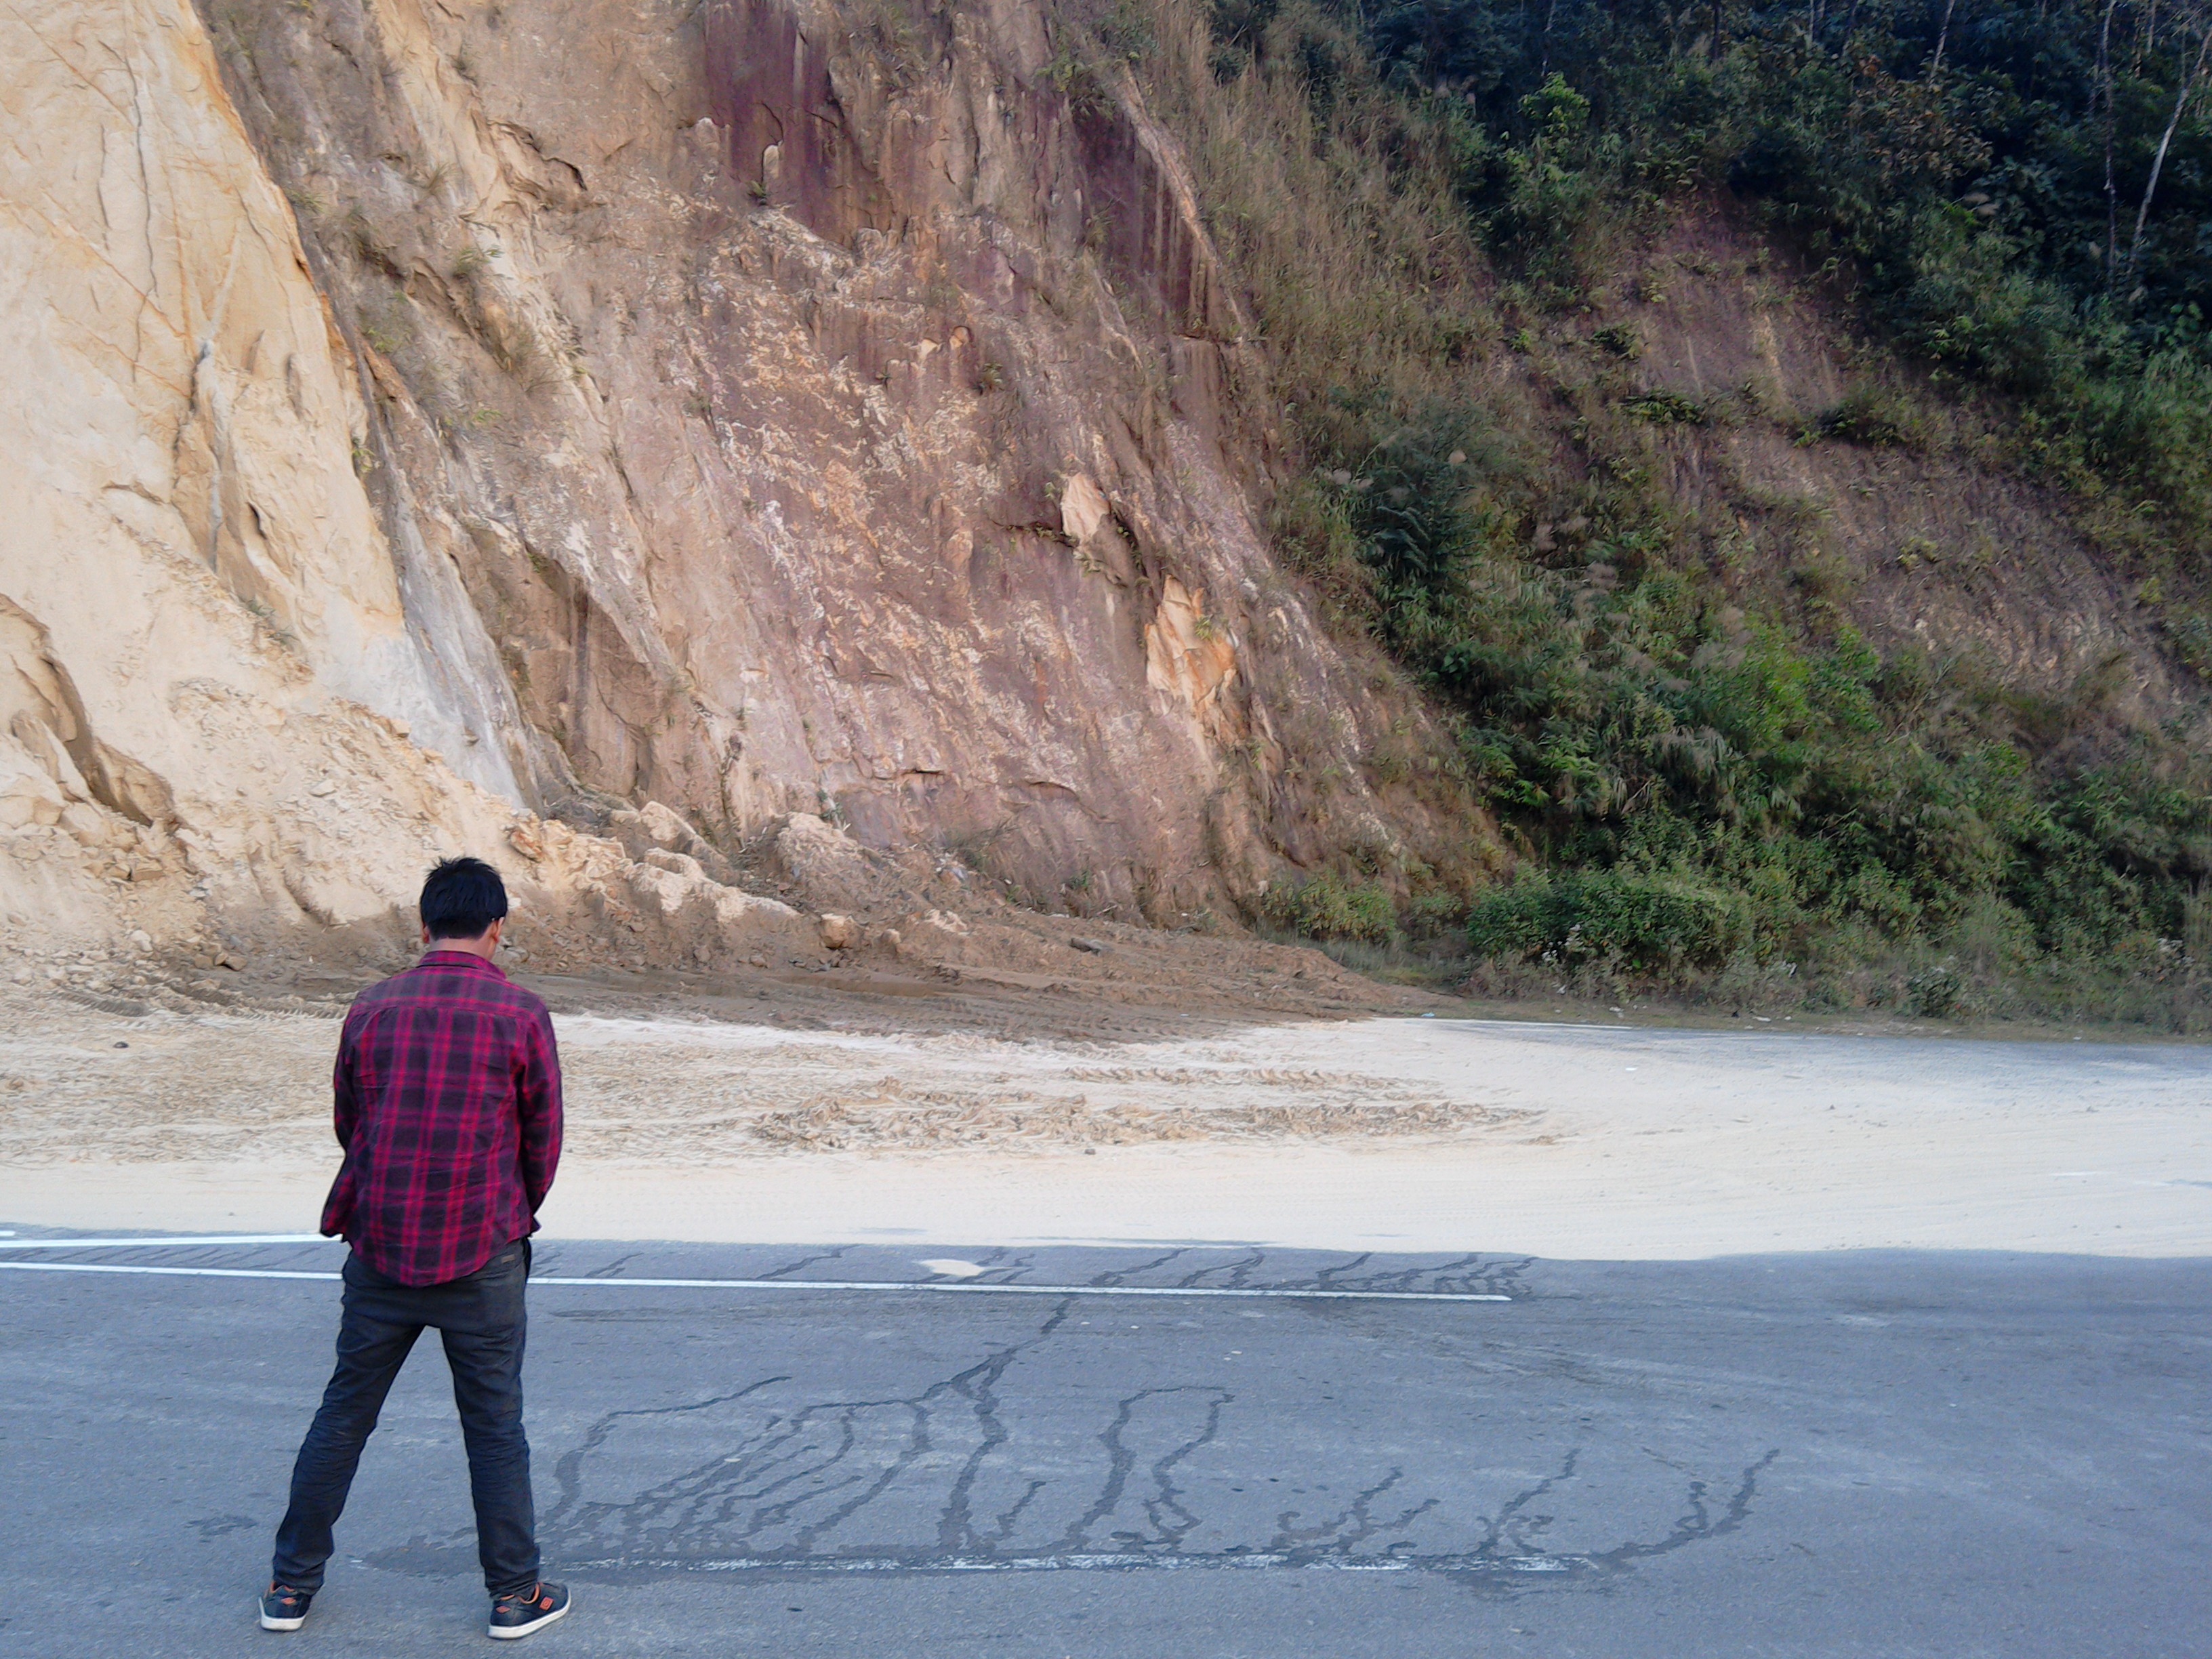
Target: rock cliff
431,420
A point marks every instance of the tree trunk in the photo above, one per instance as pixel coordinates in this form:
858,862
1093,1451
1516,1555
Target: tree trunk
1943,37
2158,163
2111,190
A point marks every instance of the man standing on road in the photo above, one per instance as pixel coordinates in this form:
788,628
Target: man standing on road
448,1106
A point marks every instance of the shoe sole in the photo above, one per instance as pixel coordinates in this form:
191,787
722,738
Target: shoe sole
268,1623
513,1631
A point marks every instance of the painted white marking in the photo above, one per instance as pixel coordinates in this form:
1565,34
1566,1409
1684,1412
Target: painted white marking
1245,1562
173,1273
1250,1292
10,1242
951,1267
1245,1293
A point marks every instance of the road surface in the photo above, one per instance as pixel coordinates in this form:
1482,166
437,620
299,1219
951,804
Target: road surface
1949,1454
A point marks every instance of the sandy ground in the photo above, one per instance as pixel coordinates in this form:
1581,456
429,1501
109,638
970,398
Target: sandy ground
980,1126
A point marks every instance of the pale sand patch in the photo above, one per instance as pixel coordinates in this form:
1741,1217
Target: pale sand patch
1565,1142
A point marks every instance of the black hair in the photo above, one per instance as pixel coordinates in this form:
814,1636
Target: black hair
461,899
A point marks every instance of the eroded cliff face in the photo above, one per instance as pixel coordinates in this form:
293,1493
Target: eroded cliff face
821,420
201,623
428,422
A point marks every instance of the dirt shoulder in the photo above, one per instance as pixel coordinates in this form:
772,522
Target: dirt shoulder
855,1105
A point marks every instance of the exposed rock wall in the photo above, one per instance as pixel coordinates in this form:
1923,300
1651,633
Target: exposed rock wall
201,623
823,421
424,419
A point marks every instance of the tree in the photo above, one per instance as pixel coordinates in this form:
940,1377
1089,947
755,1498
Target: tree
1942,38
2165,140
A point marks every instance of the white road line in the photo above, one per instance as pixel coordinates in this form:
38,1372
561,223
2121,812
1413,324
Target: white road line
169,1273
815,1566
971,1288
10,1242
1252,1293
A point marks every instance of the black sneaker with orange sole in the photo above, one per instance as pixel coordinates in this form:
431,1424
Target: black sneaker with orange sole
284,1607
528,1610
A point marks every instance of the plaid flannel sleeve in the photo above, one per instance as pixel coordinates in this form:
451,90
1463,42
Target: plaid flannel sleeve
345,1089
537,1102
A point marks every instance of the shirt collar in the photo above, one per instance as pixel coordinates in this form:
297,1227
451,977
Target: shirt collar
466,960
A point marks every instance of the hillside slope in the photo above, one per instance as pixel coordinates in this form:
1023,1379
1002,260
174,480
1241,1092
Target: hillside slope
430,422
1915,543
1810,575
718,445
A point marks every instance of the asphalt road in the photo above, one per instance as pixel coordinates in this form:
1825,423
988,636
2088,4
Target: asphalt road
1873,1454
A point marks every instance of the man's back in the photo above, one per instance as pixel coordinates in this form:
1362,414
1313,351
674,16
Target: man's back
447,1096
448,1101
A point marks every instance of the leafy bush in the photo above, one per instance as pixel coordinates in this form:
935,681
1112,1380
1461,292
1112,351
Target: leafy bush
1666,408
1325,907
1869,418
887,31
1404,497
2190,633
1966,206
1933,991
1650,923
1619,340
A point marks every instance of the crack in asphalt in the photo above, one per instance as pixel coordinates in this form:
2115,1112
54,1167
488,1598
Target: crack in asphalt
1123,1275
786,1491
793,1460
1239,1271
1002,1265
1467,1274
1122,1460
1331,1538
1472,1275
956,1532
1698,1522
790,1267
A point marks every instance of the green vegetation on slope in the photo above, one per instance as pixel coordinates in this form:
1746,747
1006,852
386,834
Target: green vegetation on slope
2004,208
1719,783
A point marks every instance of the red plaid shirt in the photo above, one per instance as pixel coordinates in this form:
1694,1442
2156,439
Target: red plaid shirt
448,1106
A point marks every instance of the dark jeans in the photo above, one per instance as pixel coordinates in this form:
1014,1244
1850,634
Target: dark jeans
481,1318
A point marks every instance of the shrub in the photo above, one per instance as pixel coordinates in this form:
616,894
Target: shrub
886,31
1406,495
1655,924
1934,991
1868,417
1666,408
1326,907
1619,340
1747,985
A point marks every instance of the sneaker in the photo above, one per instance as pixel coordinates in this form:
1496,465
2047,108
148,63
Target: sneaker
530,1609
284,1607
